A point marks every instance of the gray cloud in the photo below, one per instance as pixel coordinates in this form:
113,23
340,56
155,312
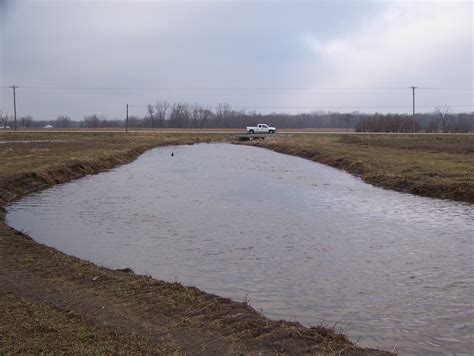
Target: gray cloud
227,44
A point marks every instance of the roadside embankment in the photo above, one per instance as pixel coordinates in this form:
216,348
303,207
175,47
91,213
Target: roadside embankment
55,303
436,166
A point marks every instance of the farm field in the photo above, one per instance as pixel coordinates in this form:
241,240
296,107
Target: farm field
236,178
68,295
81,307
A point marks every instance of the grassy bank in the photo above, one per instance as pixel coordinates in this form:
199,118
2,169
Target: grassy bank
42,159
437,166
51,302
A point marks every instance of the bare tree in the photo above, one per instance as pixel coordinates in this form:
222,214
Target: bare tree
223,113
201,117
183,115
445,117
26,121
135,121
161,109
3,120
433,124
386,123
63,121
151,111
347,118
461,124
180,115
91,121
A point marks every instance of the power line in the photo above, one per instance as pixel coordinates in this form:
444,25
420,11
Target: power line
317,107
211,88
446,88
14,87
236,88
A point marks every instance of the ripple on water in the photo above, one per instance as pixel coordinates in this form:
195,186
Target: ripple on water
302,240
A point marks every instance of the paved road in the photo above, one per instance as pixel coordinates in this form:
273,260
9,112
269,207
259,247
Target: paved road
229,131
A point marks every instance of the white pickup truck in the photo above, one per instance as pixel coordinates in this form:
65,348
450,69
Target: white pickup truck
261,128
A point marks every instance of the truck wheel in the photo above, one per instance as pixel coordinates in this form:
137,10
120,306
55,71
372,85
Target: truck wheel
270,132
251,131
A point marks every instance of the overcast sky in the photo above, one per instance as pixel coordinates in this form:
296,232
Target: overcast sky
190,47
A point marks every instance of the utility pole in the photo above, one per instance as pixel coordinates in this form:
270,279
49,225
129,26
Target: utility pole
14,103
414,120
126,121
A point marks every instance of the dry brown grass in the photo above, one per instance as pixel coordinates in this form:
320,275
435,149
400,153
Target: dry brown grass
35,328
438,166
55,303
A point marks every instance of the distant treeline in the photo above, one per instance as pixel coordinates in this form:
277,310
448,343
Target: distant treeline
182,115
439,121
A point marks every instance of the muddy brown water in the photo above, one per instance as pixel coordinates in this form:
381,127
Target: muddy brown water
300,240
